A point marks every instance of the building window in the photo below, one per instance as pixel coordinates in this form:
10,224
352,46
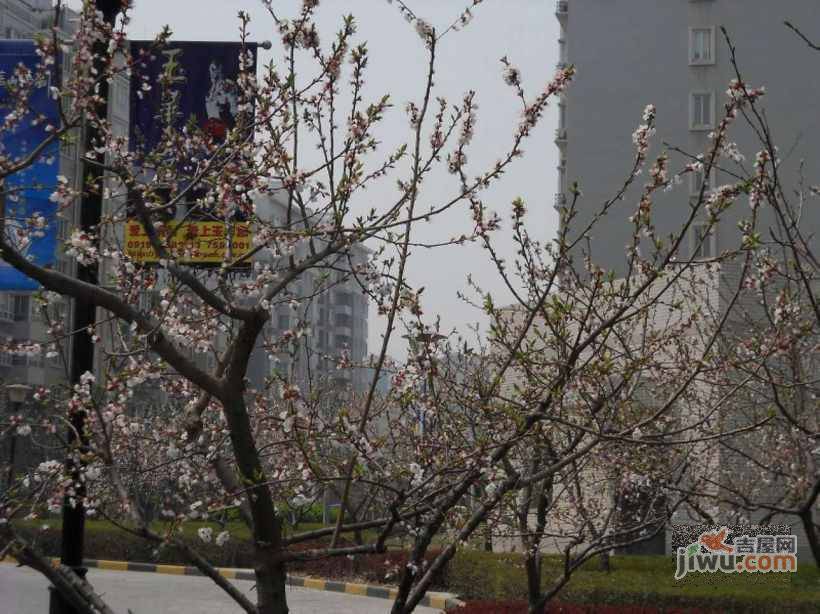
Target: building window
344,298
702,111
21,308
703,241
6,307
283,322
701,46
63,228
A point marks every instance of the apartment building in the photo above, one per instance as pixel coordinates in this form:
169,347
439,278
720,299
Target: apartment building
328,301
25,18
673,54
21,315
631,53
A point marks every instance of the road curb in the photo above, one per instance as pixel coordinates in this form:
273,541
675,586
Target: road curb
440,602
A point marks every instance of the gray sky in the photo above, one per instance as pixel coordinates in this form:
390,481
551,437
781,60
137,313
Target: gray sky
524,30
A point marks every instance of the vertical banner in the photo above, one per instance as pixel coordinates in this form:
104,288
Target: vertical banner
206,90
27,192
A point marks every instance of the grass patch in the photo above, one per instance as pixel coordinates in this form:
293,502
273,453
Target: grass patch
638,580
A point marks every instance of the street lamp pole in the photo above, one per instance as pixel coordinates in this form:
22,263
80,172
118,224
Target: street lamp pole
82,346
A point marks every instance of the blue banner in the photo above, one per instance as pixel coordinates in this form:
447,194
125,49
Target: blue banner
27,192
206,88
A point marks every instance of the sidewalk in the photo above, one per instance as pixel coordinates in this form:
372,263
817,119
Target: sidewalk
437,601
25,591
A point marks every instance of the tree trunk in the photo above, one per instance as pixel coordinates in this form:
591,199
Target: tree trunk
270,570
532,564
811,534
271,579
604,562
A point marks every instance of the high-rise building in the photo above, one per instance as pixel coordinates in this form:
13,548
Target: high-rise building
631,53
26,18
326,301
674,55
21,317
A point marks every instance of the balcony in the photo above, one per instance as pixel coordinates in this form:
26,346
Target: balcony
561,8
345,309
6,315
560,136
343,329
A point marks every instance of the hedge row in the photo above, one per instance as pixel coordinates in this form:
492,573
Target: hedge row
493,582
520,607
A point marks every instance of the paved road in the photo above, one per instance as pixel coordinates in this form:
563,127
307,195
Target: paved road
23,591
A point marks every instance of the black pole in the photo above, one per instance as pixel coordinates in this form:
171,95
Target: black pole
82,347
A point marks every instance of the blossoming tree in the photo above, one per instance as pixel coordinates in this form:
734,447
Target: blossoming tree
439,454
771,344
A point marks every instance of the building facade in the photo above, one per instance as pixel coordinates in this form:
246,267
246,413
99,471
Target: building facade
674,55
631,53
26,18
22,318
326,301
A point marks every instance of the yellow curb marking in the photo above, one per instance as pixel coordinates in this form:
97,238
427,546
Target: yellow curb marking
312,583
178,570
438,602
356,589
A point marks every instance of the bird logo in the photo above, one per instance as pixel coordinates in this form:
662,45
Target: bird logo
714,542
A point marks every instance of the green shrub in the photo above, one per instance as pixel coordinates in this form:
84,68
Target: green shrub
106,542
102,541
636,580
474,574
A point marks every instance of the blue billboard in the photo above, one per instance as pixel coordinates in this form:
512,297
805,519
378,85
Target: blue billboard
206,89
27,192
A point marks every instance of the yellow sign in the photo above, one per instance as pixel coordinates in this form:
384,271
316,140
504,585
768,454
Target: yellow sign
194,242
